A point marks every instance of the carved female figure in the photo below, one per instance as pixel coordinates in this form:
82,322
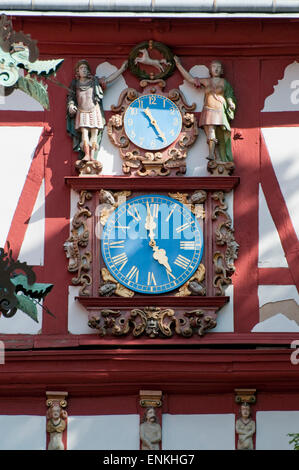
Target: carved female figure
150,431
218,110
85,120
56,424
245,428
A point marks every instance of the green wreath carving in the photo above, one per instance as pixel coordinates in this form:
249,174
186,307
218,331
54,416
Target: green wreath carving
167,60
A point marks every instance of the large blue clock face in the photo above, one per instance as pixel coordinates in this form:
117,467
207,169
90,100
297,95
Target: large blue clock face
152,244
152,122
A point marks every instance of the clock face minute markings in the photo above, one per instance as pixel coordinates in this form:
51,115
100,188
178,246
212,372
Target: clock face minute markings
153,264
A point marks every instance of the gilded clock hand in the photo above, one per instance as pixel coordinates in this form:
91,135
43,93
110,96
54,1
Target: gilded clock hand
150,224
154,123
160,255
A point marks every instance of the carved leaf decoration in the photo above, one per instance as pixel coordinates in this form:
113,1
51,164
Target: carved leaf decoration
28,306
35,89
36,290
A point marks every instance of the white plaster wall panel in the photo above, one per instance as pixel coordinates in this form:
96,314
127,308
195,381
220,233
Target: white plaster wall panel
283,146
225,316
32,250
286,92
110,432
271,254
278,323
272,428
22,432
198,432
19,143
77,314
21,323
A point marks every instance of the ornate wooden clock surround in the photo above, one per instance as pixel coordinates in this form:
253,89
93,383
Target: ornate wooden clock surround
131,298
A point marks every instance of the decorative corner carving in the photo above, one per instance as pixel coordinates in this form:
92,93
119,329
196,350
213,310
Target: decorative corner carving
245,395
155,58
109,201
79,259
85,116
228,247
151,398
56,418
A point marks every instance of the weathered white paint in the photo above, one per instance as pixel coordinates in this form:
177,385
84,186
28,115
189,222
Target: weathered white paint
283,147
22,432
225,316
114,89
32,250
278,323
198,432
77,315
271,254
21,323
110,432
272,428
286,93
275,293
17,149
196,156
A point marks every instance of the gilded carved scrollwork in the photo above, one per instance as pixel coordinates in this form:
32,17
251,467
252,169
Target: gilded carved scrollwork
171,160
74,246
223,258
154,322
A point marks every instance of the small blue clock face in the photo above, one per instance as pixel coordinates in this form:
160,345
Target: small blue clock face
152,122
152,244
